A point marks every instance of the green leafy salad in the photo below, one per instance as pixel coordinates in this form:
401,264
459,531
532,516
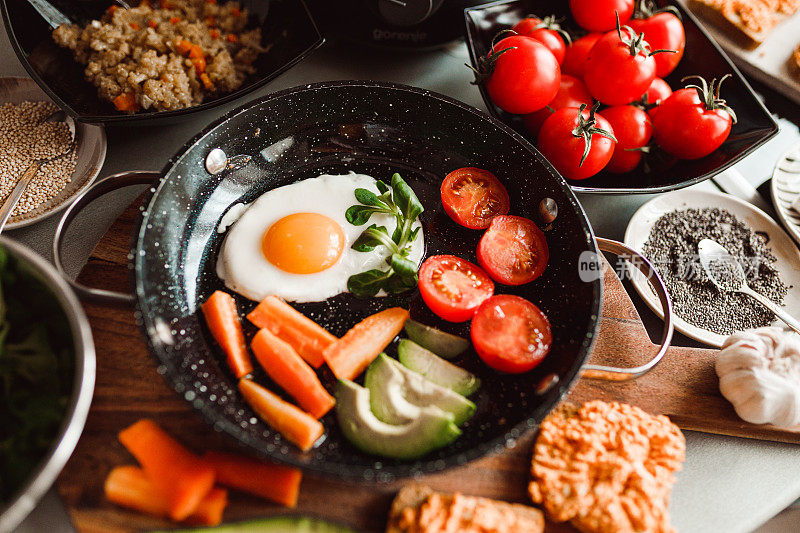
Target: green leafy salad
398,200
36,371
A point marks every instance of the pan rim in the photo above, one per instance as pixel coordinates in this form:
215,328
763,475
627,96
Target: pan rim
334,470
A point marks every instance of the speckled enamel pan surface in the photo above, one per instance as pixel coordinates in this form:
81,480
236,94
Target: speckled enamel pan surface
376,129
703,56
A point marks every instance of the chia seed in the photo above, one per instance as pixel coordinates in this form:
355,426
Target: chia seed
672,247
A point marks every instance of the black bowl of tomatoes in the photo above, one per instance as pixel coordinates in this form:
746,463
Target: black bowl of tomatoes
621,96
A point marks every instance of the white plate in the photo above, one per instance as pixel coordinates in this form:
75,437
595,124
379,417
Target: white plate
785,187
788,256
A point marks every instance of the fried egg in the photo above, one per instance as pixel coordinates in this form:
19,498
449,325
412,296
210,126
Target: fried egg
294,242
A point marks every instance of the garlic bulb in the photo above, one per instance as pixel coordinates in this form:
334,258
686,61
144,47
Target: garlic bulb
759,373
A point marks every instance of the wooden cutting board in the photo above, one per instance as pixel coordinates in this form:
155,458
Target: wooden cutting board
683,386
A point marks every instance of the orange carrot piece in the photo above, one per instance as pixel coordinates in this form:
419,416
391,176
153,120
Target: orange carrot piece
152,23
195,52
291,373
223,321
174,20
199,65
273,482
353,353
207,83
183,47
295,425
126,102
232,38
308,338
135,26
209,512
128,486
215,34
178,473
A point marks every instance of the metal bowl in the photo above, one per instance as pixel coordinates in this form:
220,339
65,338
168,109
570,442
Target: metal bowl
43,476
91,149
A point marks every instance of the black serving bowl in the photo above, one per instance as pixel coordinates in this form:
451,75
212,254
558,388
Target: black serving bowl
286,25
373,128
703,56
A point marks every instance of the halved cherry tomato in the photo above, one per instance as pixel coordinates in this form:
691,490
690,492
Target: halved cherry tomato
510,333
513,251
453,287
473,196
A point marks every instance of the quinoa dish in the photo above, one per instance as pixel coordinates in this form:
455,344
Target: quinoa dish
168,57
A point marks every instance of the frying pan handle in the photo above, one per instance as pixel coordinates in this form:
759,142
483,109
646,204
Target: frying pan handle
101,187
611,373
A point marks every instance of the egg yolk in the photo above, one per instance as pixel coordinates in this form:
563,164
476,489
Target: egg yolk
303,243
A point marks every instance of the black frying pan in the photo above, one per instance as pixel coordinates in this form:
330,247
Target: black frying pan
376,129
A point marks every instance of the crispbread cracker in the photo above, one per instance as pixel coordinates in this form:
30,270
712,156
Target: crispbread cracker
606,468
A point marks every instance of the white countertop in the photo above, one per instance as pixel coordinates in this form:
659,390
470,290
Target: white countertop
728,484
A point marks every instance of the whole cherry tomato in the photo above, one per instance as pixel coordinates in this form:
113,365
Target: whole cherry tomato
578,142
664,31
694,121
571,93
658,92
547,31
575,57
601,15
633,129
620,68
521,74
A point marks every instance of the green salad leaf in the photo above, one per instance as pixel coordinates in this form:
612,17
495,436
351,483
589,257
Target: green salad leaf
398,200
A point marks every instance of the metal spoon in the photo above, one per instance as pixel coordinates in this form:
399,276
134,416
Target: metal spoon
713,257
33,168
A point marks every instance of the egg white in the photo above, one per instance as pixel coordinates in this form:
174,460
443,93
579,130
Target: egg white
244,269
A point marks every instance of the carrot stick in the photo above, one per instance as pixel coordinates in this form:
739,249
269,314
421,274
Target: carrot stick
307,337
291,373
223,321
350,355
295,425
178,473
128,486
273,482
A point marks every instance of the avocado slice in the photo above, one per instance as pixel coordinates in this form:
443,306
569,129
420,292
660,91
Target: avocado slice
432,429
436,369
397,394
276,524
439,342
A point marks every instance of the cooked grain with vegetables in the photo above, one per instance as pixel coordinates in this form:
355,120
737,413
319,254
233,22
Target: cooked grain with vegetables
25,137
167,57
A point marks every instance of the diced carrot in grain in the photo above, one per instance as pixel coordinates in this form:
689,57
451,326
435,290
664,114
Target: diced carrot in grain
308,338
291,373
232,38
351,355
152,23
223,321
128,486
215,34
273,482
179,474
295,425
207,83
135,26
174,20
195,52
199,65
183,47
126,102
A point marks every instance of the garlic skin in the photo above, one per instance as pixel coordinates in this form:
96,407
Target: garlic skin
759,373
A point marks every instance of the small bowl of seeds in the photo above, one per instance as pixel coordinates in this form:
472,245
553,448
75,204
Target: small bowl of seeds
26,136
668,230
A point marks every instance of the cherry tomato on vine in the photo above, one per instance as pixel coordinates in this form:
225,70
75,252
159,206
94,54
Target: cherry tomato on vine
620,68
510,333
658,92
633,129
599,15
572,92
664,31
577,142
547,31
513,251
694,121
473,196
521,74
575,57
452,287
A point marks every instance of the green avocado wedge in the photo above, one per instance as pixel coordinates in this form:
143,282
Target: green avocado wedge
439,342
397,394
276,524
432,429
436,369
